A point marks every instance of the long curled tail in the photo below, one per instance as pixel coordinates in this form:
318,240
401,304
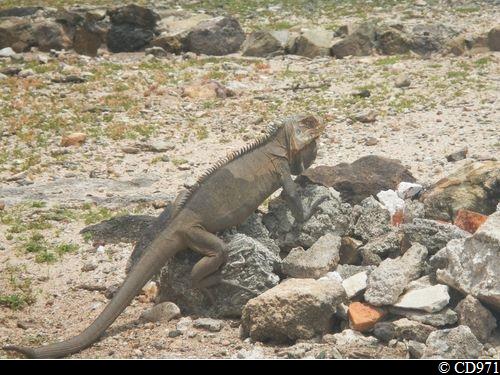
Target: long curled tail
149,264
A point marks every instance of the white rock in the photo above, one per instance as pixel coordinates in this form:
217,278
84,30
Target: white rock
355,284
391,200
430,299
334,275
407,190
184,324
100,249
7,52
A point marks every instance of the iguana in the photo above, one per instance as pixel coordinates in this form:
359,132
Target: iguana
228,193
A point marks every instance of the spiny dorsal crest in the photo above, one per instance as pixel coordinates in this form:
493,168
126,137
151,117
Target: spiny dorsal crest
266,137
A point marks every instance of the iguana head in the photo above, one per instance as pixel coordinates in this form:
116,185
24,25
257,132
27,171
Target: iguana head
302,131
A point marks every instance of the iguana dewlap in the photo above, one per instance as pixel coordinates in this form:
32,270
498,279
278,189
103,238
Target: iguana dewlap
225,196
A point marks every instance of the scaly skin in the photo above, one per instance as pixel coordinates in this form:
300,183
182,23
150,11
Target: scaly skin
223,198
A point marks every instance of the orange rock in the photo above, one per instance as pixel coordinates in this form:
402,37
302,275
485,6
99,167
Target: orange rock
363,316
2,205
469,220
73,139
398,218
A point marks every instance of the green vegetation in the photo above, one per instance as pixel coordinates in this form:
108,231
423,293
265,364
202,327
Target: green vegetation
20,293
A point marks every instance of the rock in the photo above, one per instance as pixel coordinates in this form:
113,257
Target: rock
211,325
262,43
472,263
10,71
402,80
355,284
416,349
128,38
353,344
444,317
388,281
391,201
255,228
7,52
19,11
156,52
184,324
366,116
89,266
163,312
362,316
174,333
17,33
457,155
347,270
384,331
474,187
430,233
313,43
357,181
428,38
383,246
479,319
359,43
494,38
457,342
2,205
332,216
373,221
73,139
349,250
88,38
133,15
52,36
249,264
150,291
468,220
321,257
295,309
169,43
391,41
207,89
430,299
405,329
370,141
216,36
408,190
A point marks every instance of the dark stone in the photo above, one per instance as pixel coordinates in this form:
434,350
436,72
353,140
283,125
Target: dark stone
134,15
360,179
128,38
19,11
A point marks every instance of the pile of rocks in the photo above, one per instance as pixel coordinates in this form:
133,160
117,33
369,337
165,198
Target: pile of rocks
370,274
158,31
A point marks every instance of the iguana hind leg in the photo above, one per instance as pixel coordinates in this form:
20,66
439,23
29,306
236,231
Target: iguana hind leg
206,272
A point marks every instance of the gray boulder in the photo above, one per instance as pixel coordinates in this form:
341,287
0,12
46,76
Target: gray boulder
386,245
295,309
439,319
427,38
216,36
320,258
494,38
250,265
134,15
332,216
479,319
472,263
388,281
263,43
457,342
359,43
128,38
373,221
313,43
431,233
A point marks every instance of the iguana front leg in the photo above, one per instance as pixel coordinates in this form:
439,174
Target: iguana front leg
291,194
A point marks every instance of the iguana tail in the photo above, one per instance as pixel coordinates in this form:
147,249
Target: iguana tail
150,263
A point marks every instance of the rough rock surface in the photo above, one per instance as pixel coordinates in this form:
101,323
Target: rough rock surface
217,36
250,264
479,319
457,342
163,312
262,43
431,299
359,43
295,309
439,319
474,187
313,43
332,216
352,344
373,221
356,181
472,263
388,281
320,258
431,233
